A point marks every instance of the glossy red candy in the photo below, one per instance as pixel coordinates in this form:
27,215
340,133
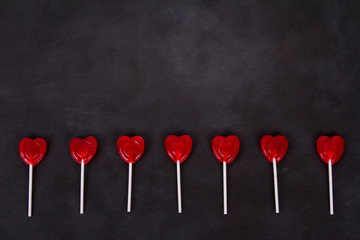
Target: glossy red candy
178,148
83,149
225,149
274,147
330,149
130,148
32,151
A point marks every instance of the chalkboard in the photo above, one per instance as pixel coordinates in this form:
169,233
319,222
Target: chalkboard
203,68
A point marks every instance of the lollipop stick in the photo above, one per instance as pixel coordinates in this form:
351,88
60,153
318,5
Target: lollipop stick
129,188
225,188
276,187
178,186
82,187
30,189
331,199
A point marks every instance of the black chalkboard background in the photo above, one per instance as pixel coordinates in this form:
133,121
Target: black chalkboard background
153,68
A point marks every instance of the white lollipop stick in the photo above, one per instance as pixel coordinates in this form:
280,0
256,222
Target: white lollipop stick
276,187
331,199
178,186
30,189
225,187
82,187
129,188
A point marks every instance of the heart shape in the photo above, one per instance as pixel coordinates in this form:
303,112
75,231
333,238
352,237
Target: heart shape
178,148
330,149
83,149
274,147
225,149
130,149
32,151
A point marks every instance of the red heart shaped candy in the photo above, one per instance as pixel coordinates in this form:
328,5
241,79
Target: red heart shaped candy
225,149
274,147
130,149
32,151
330,149
178,148
83,149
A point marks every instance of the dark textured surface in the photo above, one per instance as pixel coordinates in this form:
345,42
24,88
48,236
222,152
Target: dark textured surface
153,68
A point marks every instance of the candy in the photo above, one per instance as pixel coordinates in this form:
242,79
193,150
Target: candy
274,149
225,150
330,151
32,152
178,149
83,150
130,150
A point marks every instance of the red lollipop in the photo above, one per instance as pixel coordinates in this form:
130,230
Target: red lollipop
32,152
330,151
83,150
225,150
274,149
178,149
130,150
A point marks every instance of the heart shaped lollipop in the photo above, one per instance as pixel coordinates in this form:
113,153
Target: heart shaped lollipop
178,149
130,150
225,149
32,152
83,150
330,151
274,149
